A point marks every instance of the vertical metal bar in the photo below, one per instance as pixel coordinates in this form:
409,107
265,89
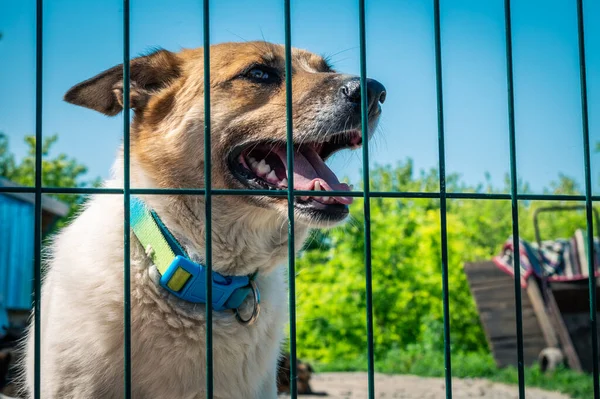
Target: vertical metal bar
443,210
37,264
126,197
513,195
290,196
208,201
588,195
364,107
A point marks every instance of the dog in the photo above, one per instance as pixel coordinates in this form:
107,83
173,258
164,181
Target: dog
82,308
304,372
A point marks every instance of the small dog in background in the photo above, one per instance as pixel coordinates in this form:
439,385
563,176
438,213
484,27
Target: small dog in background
303,371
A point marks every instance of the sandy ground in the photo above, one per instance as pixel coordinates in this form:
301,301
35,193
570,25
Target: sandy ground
354,386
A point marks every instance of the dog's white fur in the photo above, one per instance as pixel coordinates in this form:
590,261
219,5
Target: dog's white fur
83,296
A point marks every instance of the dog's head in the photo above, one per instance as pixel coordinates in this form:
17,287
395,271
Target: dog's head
248,121
304,372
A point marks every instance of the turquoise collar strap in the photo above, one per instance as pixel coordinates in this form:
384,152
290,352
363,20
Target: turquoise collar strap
181,276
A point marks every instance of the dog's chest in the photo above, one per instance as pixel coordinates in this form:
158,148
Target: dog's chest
169,347
167,341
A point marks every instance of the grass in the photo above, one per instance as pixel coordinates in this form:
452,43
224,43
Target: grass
471,365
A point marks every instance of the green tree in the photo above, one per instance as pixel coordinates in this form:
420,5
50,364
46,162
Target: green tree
406,267
57,171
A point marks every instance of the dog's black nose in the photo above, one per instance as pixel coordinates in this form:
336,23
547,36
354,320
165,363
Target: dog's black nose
375,92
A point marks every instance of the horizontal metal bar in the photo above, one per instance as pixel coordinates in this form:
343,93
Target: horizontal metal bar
398,194
548,197
283,193
250,192
62,190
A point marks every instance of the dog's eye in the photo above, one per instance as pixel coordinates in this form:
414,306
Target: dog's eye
258,74
261,74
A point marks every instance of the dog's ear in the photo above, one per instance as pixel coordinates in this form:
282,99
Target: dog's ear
148,74
309,367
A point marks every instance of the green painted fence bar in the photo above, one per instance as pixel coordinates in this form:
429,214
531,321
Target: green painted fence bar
126,209
208,192
237,192
588,193
443,196
366,198
37,228
290,195
513,194
208,201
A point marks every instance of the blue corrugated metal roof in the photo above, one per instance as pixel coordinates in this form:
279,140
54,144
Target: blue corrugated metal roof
49,204
16,252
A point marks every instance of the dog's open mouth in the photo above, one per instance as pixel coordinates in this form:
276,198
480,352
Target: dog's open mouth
263,165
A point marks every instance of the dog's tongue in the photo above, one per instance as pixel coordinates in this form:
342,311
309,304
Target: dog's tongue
310,168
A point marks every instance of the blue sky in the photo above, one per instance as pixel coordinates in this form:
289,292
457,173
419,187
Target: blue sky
82,38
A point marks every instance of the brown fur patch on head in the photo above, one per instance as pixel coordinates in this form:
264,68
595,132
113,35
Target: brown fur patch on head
167,93
169,130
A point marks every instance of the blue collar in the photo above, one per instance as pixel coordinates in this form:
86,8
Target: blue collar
181,276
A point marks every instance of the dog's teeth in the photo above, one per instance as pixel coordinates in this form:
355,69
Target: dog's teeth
263,168
325,199
304,198
284,182
272,177
317,186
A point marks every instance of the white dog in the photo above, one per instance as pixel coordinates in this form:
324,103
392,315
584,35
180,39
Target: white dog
82,295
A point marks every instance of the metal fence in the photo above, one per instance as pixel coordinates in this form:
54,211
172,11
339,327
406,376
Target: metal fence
366,194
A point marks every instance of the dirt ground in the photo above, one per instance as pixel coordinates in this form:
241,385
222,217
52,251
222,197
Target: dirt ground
354,386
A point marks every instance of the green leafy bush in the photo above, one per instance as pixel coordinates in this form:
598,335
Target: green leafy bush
406,269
